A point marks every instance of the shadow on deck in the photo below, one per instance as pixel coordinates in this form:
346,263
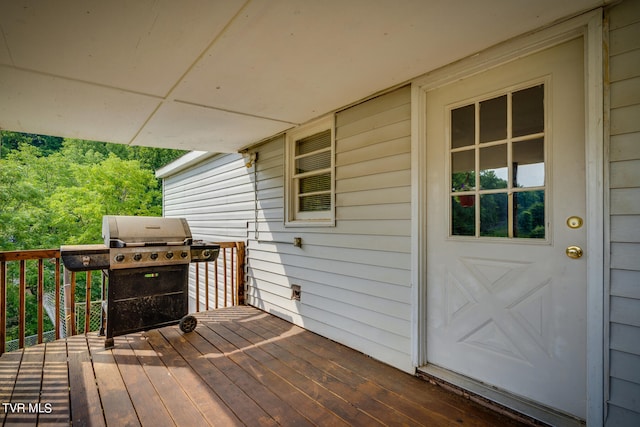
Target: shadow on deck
240,367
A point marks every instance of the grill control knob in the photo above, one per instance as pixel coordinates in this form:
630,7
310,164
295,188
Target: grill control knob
154,255
169,255
184,254
206,253
137,256
119,258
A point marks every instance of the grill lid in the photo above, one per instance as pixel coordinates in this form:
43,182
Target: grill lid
127,231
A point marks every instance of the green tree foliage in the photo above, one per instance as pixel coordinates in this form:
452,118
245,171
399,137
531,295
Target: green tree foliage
31,315
11,140
54,192
111,187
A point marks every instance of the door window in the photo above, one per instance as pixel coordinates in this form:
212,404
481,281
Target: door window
497,164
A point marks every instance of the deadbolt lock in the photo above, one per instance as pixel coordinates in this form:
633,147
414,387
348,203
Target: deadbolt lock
574,222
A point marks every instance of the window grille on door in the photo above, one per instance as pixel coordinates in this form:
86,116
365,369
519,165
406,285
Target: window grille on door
497,164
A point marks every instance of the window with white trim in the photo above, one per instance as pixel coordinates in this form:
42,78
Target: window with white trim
310,174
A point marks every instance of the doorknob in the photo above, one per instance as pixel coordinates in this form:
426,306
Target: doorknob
574,252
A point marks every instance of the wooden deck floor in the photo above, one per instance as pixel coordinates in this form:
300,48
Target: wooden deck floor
240,367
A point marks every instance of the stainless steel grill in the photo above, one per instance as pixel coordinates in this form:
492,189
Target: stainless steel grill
147,261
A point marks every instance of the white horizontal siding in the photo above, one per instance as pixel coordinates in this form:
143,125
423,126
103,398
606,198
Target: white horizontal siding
624,181
260,271
355,277
364,227
319,254
625,173
345,267
625,283
621,417
625,228
625,338
624,146
216,198
623,366
627,395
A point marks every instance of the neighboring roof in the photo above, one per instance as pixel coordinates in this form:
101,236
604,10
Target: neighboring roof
220,75
183,162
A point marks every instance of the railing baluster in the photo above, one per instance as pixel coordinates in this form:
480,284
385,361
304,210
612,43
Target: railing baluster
40,298
224,265
216,280
87,309
3,306
103,297
197,287
240,272
57,303
22,306
72,302
233,276
206,288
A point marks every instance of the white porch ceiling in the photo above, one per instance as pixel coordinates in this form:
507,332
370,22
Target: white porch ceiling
218,75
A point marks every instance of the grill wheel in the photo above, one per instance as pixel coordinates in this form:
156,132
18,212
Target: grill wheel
188,324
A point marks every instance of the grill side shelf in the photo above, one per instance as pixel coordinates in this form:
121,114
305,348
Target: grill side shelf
85,257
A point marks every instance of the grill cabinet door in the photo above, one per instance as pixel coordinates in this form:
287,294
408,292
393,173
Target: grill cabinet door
146,299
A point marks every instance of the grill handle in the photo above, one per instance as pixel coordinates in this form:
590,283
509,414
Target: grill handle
117,243
158,244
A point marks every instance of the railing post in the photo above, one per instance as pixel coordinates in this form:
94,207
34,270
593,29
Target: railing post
240,272
103,298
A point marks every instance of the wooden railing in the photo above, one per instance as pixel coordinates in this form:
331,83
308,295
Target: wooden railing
22,257
231,290
219,283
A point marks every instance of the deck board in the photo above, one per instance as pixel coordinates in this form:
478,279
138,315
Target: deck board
240,366
182,411
86,409
9,368
149,406
366,394
249,412
212,407
55,386
330,401
403,389
116,403
361,416
27,387
287,391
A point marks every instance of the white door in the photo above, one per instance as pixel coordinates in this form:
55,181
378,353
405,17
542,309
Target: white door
505,199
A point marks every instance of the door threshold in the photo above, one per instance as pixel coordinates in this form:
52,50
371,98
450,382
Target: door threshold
514,406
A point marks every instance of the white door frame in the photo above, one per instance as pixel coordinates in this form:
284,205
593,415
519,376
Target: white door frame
590,27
